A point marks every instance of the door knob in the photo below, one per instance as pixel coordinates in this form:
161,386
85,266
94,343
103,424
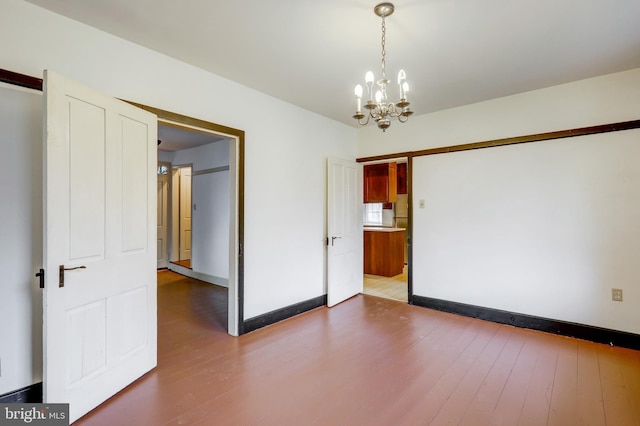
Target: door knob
62,269
333,239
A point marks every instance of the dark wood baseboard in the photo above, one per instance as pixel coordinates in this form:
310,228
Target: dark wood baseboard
569,329
283,313
29,395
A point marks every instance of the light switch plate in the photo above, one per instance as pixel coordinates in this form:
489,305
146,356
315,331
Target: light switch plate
616,294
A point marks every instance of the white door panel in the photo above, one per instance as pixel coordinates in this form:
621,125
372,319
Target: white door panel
185,213
100,213
345,233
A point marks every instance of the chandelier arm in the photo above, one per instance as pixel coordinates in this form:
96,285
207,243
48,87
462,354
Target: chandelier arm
365,122
403,118
392,110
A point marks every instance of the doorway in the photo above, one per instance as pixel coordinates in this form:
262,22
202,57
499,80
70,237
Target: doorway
386,229
164,169
233,205
199,202
182,215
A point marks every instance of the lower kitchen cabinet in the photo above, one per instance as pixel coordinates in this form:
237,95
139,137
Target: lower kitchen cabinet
383,251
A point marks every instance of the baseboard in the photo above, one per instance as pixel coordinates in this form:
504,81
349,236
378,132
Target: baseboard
283,313
29,395
569,329
211,279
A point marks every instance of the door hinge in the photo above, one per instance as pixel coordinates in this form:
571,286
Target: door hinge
240,250
41,276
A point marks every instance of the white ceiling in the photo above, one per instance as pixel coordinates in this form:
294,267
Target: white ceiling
313,53
175,139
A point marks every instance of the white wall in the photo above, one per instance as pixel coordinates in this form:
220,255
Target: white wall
165,156
210,226
203,157
20,237
285,157
210,218
544,229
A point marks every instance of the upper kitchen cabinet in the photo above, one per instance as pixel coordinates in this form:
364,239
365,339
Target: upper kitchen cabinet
380,183
402,178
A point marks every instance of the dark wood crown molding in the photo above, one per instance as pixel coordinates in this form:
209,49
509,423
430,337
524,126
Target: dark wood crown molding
538,137
22,80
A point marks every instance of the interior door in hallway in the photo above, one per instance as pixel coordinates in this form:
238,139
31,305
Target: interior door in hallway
185,213
163,214
345,232
100,325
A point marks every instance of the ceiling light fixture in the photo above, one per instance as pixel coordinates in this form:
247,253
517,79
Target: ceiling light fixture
382,111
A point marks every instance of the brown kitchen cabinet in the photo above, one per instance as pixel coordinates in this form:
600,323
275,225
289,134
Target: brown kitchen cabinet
402,178
380,183
383,251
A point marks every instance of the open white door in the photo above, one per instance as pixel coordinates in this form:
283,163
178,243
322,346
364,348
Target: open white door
163,214
100,322
345,233
185,213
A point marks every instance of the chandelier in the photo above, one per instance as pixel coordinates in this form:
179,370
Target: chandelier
382,111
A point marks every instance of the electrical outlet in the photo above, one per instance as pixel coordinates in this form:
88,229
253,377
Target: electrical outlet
616,294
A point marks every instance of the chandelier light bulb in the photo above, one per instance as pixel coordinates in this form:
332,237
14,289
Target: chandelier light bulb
402,77
378,96
405,89
368,77
358,93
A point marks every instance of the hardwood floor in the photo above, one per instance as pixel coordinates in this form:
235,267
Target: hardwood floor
186,263
368,361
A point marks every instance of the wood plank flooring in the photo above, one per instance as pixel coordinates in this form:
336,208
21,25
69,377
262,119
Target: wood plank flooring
368,361
185,263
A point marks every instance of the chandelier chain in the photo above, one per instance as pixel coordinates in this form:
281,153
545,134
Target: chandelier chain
384,31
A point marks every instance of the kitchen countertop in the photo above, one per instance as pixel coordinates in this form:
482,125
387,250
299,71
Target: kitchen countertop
382,229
